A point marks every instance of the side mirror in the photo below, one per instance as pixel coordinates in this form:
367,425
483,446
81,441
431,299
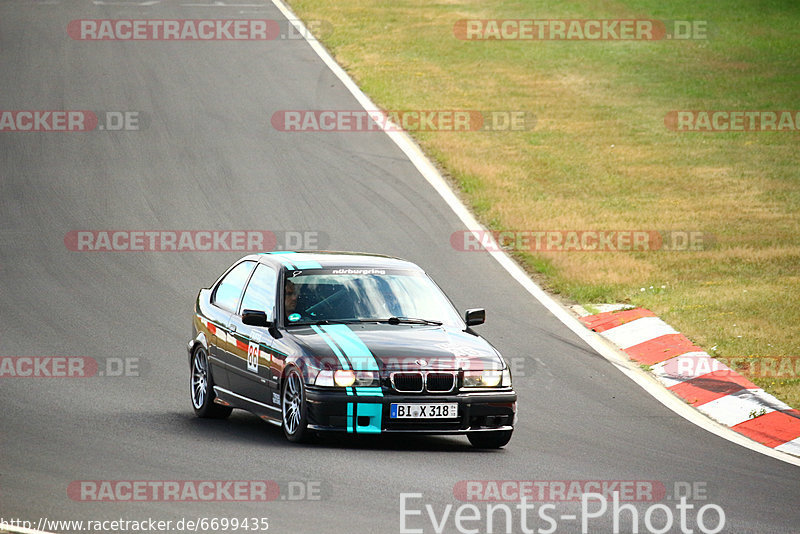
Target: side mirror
475,316
255,318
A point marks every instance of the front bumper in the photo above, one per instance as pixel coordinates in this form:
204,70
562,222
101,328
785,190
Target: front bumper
336,410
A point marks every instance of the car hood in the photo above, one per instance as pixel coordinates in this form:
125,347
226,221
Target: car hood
396,347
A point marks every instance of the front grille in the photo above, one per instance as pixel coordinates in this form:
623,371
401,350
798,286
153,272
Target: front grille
407,382
440,382
419,381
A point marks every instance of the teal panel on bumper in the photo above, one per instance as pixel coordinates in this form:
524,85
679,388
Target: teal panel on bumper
373,411
350,417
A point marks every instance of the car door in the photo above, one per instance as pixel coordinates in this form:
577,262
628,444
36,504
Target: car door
252,375
225,302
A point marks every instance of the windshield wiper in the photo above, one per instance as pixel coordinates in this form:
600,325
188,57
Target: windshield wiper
325,321
408,320
390,320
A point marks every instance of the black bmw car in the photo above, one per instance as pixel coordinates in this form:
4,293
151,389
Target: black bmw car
355,343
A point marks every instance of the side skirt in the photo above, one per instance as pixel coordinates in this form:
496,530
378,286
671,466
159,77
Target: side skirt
270,414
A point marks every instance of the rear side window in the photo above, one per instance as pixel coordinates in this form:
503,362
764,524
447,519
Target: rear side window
230,288
260,292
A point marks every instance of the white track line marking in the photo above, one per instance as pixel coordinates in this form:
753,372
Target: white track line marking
5,527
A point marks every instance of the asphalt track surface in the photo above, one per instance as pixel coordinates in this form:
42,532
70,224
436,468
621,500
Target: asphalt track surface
206,157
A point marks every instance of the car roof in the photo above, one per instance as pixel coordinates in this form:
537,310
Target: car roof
333,260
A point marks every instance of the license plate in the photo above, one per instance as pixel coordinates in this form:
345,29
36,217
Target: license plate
424,411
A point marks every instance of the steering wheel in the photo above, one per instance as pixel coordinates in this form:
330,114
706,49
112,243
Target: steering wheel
327,302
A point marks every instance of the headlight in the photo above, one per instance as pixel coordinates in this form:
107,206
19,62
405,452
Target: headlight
490,378
345,379
324,379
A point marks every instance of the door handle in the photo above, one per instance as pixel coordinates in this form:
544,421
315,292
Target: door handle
232,328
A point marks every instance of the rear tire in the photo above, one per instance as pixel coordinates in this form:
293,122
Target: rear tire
201,388
293,407
490,440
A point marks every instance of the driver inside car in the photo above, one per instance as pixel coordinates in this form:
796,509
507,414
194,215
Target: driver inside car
290,294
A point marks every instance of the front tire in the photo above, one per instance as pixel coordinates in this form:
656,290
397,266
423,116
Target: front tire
293,407
490,440
202,388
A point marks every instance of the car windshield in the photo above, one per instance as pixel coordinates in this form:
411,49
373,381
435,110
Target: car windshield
365,295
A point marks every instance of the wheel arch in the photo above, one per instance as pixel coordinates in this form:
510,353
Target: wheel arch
199,341
300,365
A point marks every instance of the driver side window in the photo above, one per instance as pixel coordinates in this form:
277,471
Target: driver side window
260,292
